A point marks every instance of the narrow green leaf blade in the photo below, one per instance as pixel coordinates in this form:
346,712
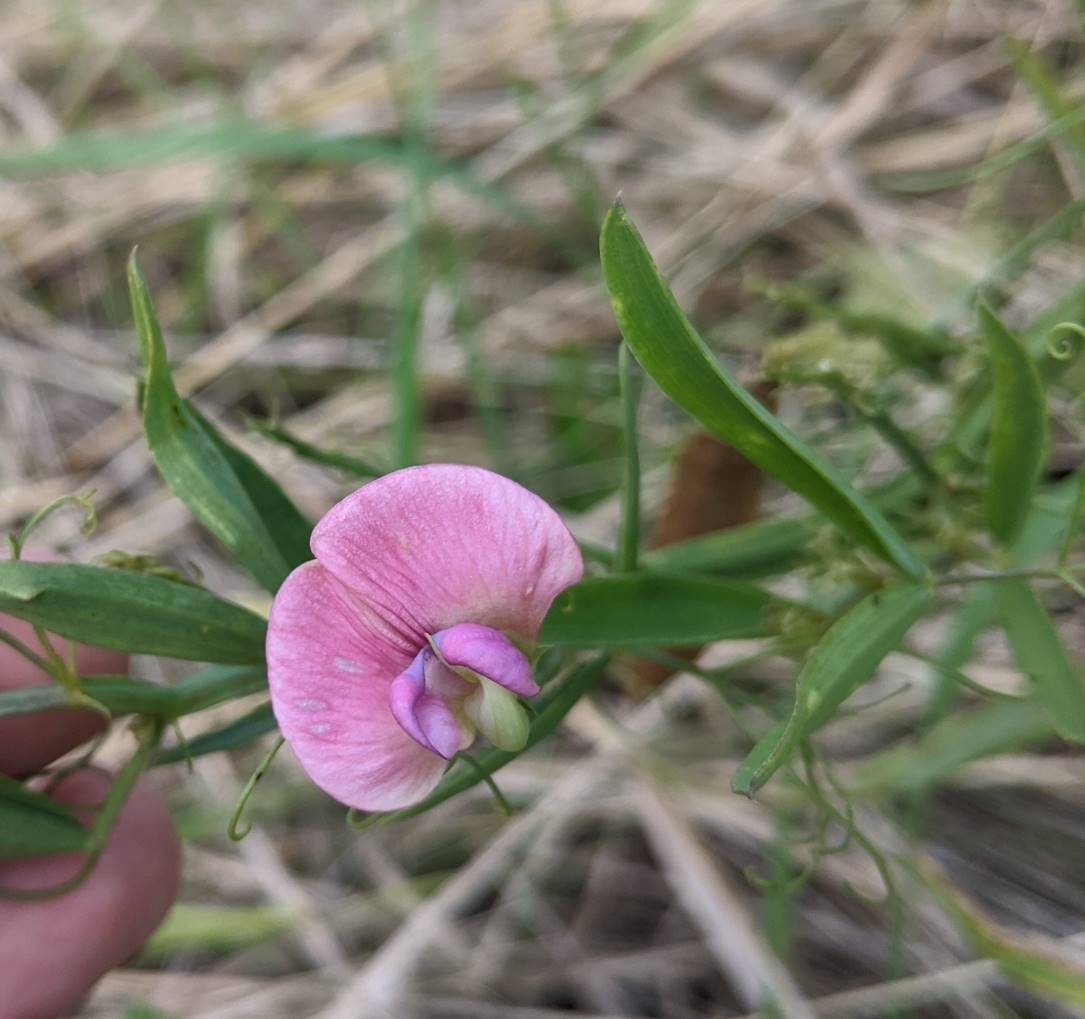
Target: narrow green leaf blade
286,524
31,699
221,930
1018,443
657,609
247,729
671,351
752,550
844,659
998,728
34,825
120,695
1035,962
1040,654
131,612
189,459
215,684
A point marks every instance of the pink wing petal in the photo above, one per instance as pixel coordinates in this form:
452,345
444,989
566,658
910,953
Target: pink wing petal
426,718
330,675
428,547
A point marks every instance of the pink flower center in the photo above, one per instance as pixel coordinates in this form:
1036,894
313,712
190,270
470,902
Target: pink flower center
467,678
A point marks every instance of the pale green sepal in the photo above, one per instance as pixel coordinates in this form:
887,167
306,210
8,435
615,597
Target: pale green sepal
498,715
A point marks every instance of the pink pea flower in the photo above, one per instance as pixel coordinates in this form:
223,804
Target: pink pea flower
411,629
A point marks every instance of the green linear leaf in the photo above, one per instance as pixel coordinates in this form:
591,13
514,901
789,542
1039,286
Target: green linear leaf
1018,443
749,551
287,525
998,728
120,695
671,351
844,659
657,609
31,824
550,708
190,461
131,612
1040,654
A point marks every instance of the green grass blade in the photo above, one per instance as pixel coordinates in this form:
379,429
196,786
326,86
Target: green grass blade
1040,654
671,351
132,612
1073,517
844,659
120,695
1039,80
1018,442
317,454
190,461
657,609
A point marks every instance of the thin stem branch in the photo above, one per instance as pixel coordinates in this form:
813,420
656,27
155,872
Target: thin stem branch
31,656
1063,575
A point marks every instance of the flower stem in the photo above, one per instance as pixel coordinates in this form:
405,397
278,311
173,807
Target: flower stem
629,533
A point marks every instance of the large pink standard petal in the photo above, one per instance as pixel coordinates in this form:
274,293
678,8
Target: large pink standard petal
330,679
428,547
415,553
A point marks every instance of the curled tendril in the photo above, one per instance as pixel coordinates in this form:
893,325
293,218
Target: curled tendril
1060,345
234,829
90,519
846,818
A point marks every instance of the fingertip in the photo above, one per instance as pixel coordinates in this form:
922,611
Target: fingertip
54,950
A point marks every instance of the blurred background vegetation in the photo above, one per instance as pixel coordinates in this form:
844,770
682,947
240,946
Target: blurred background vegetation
371,230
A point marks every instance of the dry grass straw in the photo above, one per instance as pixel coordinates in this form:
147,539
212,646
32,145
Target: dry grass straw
734,130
